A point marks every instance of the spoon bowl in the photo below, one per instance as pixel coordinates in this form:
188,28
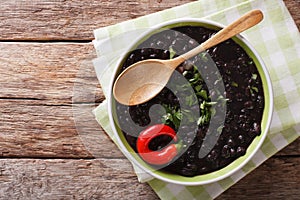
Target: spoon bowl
143,80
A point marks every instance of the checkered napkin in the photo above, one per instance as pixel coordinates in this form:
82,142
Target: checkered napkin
277,41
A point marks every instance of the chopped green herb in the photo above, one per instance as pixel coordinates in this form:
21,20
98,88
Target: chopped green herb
167,117
204,57
210,103
254,76
178,115
185,73
190,100
254,88
198,88
195,78
202,93
234,84
200,121
172,52
217,81
188,115
172,116
222,99
202,105
220,129
212,111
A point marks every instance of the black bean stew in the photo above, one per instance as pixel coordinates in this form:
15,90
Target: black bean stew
241,98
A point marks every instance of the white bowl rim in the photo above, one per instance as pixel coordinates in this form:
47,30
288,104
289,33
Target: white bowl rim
263,135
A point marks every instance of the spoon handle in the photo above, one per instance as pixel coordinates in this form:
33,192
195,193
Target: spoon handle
243,23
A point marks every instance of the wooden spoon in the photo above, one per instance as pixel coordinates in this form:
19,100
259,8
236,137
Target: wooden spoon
143,80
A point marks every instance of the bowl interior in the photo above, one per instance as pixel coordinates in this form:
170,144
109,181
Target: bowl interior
235,165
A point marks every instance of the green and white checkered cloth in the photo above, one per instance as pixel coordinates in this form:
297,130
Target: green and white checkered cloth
276,39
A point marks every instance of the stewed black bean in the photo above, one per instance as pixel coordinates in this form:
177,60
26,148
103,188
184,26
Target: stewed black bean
242,101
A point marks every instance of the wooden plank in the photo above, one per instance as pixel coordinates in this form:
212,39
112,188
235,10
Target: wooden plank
293,7
49,72
70,179
76,19
70,19
114,179
277,178
31,129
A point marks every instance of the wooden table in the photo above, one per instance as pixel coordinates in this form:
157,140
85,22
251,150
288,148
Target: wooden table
47,91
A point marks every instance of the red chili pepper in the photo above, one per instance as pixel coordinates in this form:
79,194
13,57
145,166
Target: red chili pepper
162,156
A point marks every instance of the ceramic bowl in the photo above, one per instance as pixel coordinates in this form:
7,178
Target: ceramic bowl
236,164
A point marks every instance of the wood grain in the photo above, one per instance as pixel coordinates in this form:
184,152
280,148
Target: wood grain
70,179
76,19
69,19
277,178
114,179
31,129
293,7
49,72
